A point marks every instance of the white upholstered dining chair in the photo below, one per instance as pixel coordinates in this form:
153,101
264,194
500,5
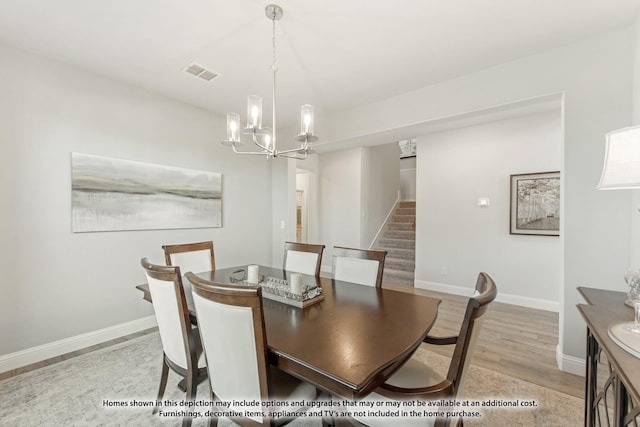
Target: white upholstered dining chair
195,257
303,258
180,342
361,266
237,354
417,380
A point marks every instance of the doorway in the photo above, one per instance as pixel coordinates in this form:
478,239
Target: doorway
302,207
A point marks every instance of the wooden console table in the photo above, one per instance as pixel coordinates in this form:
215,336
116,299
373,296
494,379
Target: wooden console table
616,401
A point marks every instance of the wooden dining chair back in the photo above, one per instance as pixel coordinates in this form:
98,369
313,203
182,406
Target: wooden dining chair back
237,354
361,266
485,293
195,257
412,379
180,342
303,258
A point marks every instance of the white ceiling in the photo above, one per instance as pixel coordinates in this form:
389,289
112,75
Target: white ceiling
335,54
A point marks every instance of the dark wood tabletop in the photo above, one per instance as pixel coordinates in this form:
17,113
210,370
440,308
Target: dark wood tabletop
347,344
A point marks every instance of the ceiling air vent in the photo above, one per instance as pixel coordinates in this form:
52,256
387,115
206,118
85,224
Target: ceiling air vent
200,71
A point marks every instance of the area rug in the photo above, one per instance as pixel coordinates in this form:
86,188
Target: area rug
114,386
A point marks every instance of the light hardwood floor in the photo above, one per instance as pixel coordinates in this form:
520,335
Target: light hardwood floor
516,341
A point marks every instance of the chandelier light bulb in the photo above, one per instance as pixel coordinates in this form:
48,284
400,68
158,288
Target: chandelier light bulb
233,126
254,112
234,129
306,122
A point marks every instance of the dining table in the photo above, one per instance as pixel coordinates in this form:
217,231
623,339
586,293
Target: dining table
349,342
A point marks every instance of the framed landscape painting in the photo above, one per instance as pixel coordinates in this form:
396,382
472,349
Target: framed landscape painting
111,194
535,204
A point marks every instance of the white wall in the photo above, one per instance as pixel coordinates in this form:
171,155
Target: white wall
283,199
408,179
310,167
340,177
595,76
57,284
382,182
634,261
457,167
358,188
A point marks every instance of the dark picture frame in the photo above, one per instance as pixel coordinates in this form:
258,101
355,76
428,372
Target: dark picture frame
535,204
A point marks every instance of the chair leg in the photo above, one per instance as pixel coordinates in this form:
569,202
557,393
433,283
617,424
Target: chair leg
163,383
213,421
192,385
202,375
323,395
328,422
186,422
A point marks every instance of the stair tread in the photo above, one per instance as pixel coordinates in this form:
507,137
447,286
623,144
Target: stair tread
388,258
400,238
406,244
398,275
404,273
400,272
401,250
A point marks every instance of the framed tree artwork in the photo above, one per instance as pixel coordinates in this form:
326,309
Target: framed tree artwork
407,148
535,204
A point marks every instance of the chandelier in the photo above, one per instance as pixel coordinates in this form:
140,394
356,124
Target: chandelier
265,138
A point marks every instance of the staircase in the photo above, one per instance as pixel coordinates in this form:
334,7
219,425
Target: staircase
398,238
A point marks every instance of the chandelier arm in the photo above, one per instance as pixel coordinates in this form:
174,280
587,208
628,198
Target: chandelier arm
293,150
252,153
264,147
289,155
255,153
306,143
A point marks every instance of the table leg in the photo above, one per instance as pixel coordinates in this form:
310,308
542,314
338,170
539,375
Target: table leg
590,380
620,407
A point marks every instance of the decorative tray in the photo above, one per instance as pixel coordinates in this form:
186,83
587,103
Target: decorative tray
627,340
277,289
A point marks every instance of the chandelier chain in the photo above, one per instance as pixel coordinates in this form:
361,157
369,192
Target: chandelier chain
273,41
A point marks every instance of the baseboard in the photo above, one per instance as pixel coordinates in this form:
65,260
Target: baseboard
536,303
39,353
571,364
